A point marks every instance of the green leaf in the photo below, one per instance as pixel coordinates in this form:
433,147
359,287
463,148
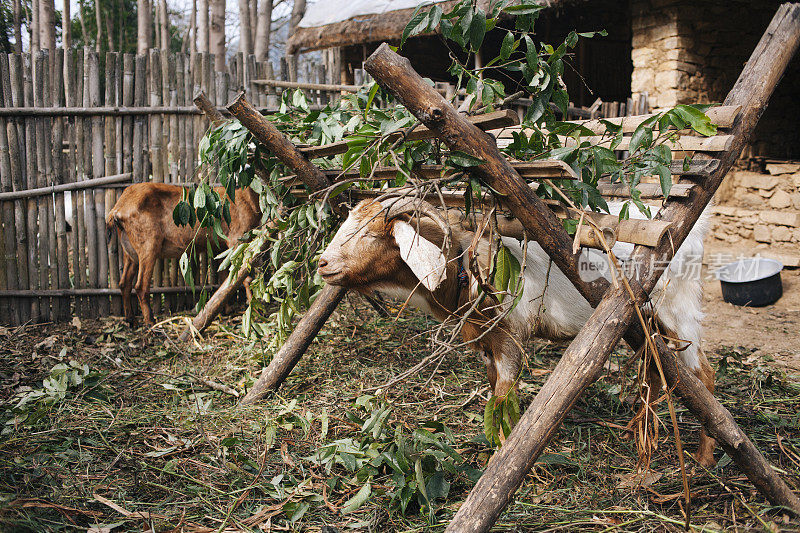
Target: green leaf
524,9
665,177
697,120
415,25
359,499
372,92
477,29
508,46
642,137
461,159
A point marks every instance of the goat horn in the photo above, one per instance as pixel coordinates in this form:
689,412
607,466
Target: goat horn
400,206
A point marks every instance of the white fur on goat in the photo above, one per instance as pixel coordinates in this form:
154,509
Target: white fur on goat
402,256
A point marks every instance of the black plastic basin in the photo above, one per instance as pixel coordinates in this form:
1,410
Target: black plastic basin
754,282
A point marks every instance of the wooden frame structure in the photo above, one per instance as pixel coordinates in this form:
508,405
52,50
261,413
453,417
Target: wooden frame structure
615,307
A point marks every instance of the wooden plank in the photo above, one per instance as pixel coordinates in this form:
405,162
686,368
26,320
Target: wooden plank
648,190
105,292
722,116
635,231
548,169
689,143
486,122
697,167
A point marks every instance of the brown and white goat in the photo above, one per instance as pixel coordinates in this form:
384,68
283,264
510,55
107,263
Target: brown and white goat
388,248
143,219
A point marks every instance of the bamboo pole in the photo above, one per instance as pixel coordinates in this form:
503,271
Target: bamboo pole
179,151
89,206
60,173
11,77
98,166
171,156
156,152
83,165
9,311
29,141
110,149
139,167
72,126
40,86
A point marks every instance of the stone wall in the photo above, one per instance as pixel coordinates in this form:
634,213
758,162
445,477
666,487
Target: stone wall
693,51
760,212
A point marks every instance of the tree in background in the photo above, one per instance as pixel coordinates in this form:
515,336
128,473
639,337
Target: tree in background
117,22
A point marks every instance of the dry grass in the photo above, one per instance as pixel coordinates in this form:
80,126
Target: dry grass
145,443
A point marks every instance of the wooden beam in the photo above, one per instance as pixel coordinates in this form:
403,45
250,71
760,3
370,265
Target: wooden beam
75,186
309,86
486,122
647,190
583,361
722,116
689,143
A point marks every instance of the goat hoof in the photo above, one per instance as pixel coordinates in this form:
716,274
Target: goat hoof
705,459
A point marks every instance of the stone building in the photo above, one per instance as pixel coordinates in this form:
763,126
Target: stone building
676,51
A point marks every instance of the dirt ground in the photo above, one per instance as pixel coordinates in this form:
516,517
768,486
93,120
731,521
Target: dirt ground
106,429
772,331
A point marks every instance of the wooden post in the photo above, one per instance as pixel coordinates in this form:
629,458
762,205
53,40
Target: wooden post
98,169
12,216
29,140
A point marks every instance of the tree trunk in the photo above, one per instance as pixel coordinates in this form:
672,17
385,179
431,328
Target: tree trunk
202,26
164,26
110,29
17,27
298,10
66,26
47,25
253,24
35,27
192,34
218,34
84,31
245,28
99,18
263,31
145,26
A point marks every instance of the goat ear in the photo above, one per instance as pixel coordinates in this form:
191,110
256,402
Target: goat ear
424,258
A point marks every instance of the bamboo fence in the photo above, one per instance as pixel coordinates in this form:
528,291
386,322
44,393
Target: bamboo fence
74,129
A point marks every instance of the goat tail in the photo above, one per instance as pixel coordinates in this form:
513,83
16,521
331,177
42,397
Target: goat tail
112,222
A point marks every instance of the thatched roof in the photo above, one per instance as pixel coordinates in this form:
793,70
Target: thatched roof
323,26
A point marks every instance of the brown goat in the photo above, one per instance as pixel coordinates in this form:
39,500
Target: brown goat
143,219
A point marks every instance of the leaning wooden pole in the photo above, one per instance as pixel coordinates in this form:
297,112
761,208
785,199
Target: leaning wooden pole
330,296
583,360
230,286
